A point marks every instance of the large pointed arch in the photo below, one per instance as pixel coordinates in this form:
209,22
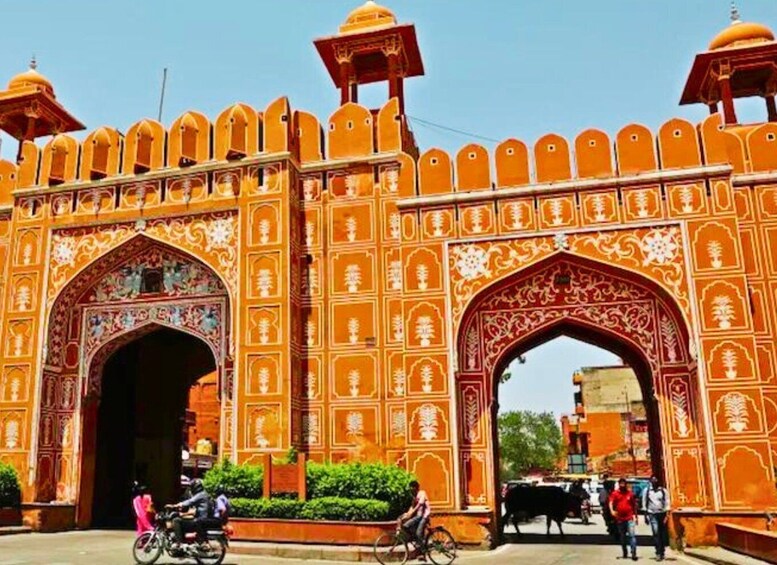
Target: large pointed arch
137,286
609,307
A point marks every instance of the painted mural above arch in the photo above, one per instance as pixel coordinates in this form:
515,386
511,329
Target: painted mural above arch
656,254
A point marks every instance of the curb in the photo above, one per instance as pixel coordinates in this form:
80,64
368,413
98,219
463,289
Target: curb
720,556
352,554
13,530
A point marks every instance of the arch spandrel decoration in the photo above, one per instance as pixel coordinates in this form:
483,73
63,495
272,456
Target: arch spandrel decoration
656,253
611,307
96,250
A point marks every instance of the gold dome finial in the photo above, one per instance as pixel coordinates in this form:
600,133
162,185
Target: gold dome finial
735,18
33,62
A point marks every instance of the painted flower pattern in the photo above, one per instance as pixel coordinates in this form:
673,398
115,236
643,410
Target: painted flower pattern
659,247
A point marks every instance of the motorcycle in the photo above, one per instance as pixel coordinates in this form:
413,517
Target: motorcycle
149,546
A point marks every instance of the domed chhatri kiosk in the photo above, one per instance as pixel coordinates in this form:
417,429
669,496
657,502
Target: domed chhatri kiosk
355,297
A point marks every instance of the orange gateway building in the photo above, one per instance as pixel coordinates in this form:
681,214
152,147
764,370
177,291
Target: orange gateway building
357,296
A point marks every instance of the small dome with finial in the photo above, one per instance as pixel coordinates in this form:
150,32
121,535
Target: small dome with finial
740,34
368,16
31,77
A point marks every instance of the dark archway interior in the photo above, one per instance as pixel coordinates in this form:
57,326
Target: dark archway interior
145,387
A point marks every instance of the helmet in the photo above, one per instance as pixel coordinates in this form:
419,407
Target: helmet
196,486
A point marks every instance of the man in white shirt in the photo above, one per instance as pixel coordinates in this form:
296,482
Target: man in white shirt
655,502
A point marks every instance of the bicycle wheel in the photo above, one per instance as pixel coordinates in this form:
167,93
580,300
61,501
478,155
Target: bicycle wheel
147,548
213,554
390,547
441,546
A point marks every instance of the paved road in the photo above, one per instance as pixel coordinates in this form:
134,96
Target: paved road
582,544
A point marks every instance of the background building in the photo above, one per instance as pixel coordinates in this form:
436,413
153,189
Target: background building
609,425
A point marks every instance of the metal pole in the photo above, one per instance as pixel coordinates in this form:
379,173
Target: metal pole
162,96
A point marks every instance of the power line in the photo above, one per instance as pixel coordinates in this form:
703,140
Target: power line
452,130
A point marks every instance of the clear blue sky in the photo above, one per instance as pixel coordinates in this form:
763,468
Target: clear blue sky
497,68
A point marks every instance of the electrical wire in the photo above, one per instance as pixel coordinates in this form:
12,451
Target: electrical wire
427,123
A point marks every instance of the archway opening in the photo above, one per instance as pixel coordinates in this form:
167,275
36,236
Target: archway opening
146,418
576,411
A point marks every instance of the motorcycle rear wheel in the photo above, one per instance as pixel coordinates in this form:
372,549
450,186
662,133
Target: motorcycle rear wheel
147,548
215,554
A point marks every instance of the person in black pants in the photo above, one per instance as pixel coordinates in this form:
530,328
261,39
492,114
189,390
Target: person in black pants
200,502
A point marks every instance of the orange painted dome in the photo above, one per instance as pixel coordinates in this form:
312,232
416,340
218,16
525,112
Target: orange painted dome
739,34
31,77
367,17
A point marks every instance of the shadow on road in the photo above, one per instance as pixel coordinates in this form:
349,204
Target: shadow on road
569,539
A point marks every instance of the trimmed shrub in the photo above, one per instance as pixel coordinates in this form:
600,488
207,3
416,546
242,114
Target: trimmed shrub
330,508
342,509
377,481
10,488
238,481
266,508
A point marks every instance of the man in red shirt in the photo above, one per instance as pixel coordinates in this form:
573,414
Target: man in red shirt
623,507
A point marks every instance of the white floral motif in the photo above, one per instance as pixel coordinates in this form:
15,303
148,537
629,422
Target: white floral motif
556,210
351,226
427,376
471,412
264,380
264,282
354,425
64,251
723,311
730,362
353,330
264,231
422,276
310,384
516,215
599,207
392,177
680,411
394,275
641,199
472,348
686,199
659,247
11,434
353,277
398,327
471,261
259,438
394,225
354,379
310,333
427,422
424,330
560,241
437,223
736,412
398,422
219,234
310,428
476,219
669,335
399,381
715,253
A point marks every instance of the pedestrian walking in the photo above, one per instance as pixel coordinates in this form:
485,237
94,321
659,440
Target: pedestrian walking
623,506
655,502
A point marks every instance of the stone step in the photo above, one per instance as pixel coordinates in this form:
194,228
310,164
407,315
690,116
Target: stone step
720,556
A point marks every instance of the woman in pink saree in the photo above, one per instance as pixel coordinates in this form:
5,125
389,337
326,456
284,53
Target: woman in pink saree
143,506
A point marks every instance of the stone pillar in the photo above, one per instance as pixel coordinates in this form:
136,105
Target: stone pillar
771,108
729,114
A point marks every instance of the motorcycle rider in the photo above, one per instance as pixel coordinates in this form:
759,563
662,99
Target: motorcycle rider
201,503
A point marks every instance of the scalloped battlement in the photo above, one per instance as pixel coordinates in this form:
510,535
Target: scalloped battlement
354,131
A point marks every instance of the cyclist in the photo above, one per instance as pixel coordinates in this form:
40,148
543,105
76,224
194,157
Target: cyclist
414,521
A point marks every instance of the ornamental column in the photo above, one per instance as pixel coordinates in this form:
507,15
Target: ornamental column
729,114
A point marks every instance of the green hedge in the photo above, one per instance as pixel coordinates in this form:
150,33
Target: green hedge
10,489
365,481
238,481
377,481
330,508
347,510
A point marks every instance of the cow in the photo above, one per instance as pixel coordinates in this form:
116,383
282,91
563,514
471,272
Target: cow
530,501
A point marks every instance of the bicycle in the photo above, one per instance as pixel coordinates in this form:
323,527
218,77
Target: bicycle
393,547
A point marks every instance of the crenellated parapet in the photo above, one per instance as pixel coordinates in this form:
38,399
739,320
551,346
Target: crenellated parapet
238,132
592,155
354,131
